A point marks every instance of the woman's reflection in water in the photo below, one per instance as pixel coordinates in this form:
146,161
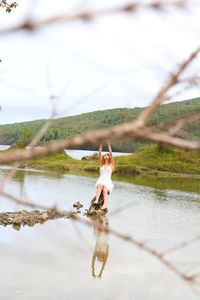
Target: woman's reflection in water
101,250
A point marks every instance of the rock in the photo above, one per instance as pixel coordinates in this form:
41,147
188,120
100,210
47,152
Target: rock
9,220
31,221
44,216
77,205
16,226
94,156
93,210
13,146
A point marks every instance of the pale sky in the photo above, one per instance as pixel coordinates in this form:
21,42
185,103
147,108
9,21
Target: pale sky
114,61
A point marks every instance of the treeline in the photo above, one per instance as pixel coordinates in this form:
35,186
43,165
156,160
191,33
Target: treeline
22,133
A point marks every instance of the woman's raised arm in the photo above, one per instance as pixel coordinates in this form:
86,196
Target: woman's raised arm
100,153
110,152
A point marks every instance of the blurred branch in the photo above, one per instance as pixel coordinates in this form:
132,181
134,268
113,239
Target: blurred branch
175,126
192,80
139,244
173,80
135,129
33,143
8,6
181,245
36,138
88,15
24,202
120,132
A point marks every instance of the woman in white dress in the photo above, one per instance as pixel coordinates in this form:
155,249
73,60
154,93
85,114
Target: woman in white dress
104,183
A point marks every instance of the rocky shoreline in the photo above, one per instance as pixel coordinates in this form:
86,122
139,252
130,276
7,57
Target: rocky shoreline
29,218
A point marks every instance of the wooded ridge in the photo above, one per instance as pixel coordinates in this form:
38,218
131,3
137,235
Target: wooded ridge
61,128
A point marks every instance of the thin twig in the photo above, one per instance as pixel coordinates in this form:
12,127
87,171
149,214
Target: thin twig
88,15
120,235
127,130
171,81
181,245
175,126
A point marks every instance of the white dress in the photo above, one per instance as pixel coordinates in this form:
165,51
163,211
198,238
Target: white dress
105,177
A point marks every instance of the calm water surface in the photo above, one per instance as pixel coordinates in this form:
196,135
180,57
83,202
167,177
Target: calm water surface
62,260
77,154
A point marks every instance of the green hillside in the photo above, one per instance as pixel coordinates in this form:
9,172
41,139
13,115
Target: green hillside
69,126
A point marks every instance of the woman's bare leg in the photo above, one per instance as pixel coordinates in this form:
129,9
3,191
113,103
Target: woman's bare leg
105,197
98,192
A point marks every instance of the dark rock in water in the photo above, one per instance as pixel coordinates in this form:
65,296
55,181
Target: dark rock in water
94,156
13,146
77,205
16,226
95,209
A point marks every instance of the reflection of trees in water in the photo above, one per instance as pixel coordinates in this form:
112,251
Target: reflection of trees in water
101,249
19,177
160,195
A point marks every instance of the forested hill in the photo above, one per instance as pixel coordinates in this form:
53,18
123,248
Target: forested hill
69,126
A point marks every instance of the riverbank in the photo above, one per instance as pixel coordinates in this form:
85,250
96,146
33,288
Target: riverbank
149,160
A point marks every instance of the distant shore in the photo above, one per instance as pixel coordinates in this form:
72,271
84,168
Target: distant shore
152,166
153,160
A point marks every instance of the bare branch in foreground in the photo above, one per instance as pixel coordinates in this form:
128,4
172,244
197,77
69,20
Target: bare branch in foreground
192,81
175,126
54,99
33,143
88,15
172,81
183,122
120,132
139,244
21,201
181,245
8,6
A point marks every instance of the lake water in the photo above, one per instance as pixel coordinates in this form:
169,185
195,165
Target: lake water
54,260
77,154
4,147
